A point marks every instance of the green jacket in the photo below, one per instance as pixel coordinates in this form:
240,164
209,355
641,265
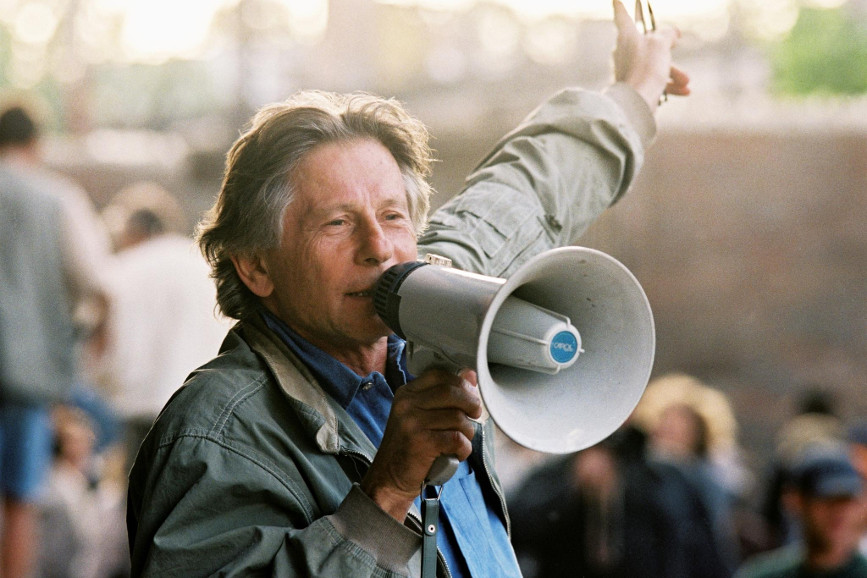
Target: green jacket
545,182
251,469
790,562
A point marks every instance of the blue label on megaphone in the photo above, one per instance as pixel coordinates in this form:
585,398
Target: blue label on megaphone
564,347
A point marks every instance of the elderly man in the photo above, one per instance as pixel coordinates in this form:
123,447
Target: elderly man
301,449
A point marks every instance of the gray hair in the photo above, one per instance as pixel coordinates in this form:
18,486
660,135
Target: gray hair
247,217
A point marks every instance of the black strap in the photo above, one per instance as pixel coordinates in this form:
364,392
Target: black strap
430,509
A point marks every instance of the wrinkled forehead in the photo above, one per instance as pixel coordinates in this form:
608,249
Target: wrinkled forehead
339,162
348,175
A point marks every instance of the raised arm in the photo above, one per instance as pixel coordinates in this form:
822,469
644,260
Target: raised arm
546,181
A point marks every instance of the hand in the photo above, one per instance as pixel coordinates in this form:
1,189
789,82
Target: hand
431,416
643,61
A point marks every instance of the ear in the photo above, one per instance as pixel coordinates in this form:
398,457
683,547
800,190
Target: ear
254,273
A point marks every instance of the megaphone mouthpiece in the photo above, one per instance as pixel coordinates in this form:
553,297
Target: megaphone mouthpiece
386,298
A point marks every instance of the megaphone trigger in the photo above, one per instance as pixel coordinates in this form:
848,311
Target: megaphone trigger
443,468
420,358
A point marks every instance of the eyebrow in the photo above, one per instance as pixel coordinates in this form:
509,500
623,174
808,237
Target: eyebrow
402,203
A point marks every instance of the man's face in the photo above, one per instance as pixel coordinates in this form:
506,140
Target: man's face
348,223
832,523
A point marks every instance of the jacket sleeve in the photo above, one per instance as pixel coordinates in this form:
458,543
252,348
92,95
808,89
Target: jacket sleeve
228,513
545,182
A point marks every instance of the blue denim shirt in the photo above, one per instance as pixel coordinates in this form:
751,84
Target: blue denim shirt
467,522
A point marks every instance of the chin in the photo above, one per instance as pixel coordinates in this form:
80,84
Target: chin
376,336
370,332
375,326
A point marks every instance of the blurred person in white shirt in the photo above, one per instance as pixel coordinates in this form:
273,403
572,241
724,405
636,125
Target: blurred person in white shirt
162,323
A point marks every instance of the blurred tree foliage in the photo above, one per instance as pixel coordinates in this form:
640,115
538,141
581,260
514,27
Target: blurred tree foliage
824,53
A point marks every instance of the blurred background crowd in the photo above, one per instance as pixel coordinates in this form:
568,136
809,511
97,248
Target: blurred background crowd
745,228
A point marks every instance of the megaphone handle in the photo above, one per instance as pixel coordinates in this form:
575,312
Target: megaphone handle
420,358
441,471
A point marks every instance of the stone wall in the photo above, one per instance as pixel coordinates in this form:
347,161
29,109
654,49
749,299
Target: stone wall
752,248
751,245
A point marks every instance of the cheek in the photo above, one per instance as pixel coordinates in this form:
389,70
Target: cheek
298,275
305,259
406,249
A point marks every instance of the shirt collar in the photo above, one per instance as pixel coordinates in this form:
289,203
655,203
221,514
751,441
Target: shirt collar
336,378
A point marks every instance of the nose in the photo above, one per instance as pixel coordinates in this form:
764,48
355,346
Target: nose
376,246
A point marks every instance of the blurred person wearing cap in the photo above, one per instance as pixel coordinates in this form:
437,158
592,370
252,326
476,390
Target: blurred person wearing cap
828,501
302,448
856,436
815,420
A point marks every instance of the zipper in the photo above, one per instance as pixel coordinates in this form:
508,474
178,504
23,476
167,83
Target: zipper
441,559
495,483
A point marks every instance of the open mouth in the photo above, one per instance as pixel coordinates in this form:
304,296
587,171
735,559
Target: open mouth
365,293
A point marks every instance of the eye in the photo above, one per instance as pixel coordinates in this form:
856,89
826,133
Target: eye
394,216
336,223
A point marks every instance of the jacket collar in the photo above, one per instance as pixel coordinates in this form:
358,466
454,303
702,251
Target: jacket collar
332,427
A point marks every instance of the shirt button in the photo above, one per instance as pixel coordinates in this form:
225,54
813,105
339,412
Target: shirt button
366,385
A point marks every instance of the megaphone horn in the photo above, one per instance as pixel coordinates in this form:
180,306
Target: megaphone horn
563,348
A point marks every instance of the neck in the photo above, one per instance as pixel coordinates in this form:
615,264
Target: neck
23,156
362,359
829,557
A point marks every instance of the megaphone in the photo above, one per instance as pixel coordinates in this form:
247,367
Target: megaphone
563,348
